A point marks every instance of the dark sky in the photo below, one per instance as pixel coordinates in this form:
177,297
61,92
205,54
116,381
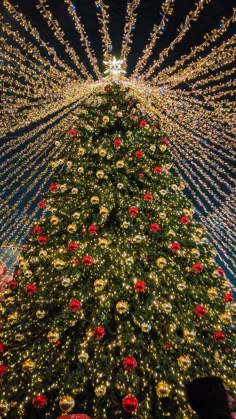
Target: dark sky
148,14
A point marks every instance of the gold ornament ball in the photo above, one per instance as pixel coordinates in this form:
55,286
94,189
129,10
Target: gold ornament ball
122,307
59,264
99,284
212,293
226,318
43,253
83,357
4,407
76,215
184,362
146,327
23,265
28,274
40,314
161,262
190,335
72,228
81,151
63,188
167,307
53,336
163,147
163,389
125,225
103,212
9,301
100,174
106,119
28,365
120,164
100,391
102,152
12,317
80,170
66,282
54,220
103,243
181,286
195,252
19,337
66,403
94,200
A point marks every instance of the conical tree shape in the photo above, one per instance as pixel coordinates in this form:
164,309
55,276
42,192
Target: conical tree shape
117,301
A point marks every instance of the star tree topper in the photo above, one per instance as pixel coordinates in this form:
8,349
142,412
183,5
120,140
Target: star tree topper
114,67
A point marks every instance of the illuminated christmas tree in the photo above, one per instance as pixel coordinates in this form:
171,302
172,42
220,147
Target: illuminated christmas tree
116,302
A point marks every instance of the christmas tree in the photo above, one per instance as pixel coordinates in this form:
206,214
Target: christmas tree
116,302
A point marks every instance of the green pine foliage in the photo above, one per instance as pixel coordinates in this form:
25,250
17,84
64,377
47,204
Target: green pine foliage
116,293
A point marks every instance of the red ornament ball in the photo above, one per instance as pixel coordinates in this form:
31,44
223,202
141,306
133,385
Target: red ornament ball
39,401
228,297
140,286
154,127
138,154
42,240
155,228
129,363
75,305
92,229
140,175
220,271
13,284
117,142
184,219
3,370
129,403
198,267
142,123
148,197
31,289
165,141
37,230
53,187
200,311
73,132
72,246
219,336
87,260
99,332
175,247
106,88
133,211
157,169
42,204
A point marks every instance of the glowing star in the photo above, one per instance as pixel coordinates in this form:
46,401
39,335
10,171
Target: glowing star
114,67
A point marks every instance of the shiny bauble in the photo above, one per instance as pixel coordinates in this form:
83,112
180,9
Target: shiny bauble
184,362
53,336
195,252
12,318
162,215
226,318
19,337
40,314
76,215
163,389
122,307
120,164
105,119
66,282
161,262
212,293
28,365
99,285
80,170
94,200
103,243
146,327
102,152
181,286
125,224
162,148
100,391
167,307
181,186
28,274
66,403
103,212
43,254
63,187
59,264
83,357
120,185
72,228
190,335
4,407
81,151
23,265
100,174
69,164
137,239
74,191
9,301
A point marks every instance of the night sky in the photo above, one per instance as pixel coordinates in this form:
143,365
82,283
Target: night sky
148,15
